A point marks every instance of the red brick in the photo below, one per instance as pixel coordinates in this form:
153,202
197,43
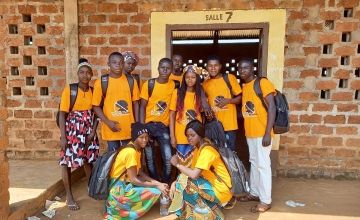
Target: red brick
118,18
128,7
300,129
326,84
129,29
309,96
342,96
97,40
97,19
34,124
298,106
295,38
140,40
328,62
44,82
321,129
293,84
43,114
55,51
88,50
33,104
353,164
331,163
323,152
332,141
350,130
30,93
295,62
346,26
26,9
55,30
308,140
38,134
59,41
355,142
322,107
16,82
87,8
354,119
42,41
348,3
296,15
329,38
312,50
109,29
310,118
13,103
345,50
342,74
355,62
18,41
309,72
355,84
347,108
310,3
298,152
23,114
40,19
337,119
48,9
107,7
357,14
58,62
145,29
87,30
286,140
27,30
118,40
312,27
293,118
30,51
330,15
140,18
58,19
41,61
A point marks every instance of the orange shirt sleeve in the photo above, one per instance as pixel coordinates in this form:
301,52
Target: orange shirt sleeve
97,93
65,99
236,89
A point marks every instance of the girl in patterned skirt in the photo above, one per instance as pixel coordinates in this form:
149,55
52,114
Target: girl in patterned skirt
79,143
132,192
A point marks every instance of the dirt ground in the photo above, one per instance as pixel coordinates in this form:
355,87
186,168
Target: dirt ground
323,199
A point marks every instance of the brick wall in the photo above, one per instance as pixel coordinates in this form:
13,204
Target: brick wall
34,31
321,74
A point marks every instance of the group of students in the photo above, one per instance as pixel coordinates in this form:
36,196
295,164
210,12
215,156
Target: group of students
170,109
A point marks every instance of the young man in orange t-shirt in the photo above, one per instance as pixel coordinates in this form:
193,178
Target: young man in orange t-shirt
178,62
258,131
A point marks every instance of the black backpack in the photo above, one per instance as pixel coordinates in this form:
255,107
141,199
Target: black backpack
98,186
282,121
105,84
73,95
151,85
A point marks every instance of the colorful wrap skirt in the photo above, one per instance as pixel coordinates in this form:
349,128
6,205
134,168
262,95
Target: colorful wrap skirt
195,200
185,153
78,125
126,201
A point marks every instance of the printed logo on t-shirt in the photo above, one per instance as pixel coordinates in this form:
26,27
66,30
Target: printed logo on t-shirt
215,107
249,109
121,107
159,108
190,115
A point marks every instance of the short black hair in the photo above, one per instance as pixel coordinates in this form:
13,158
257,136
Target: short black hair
115,54
247,60
177,55
83,60
213,57
165,60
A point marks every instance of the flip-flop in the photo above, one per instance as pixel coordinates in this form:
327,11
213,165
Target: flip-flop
248,198
261,207
73,207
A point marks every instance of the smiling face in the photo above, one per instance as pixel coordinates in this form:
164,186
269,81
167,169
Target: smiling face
142,140
84,74
192,137
213,67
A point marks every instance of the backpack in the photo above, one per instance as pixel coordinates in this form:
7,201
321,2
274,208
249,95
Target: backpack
236,169
105,84
73,95
282,121
238,174
98,186
151,85
238,107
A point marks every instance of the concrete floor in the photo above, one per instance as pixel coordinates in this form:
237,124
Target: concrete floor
324,199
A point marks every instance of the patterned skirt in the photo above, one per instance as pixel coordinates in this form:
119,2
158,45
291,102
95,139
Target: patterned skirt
198,200
185,153
78,125
126,201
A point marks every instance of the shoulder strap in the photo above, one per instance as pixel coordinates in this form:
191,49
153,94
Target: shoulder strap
104,87
227,81
130,80
73,94
177,84
258,91
151,85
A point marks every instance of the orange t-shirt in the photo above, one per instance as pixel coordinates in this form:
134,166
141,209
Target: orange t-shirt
176,77
117,106
157,108
189,114
253,111
82,102
216,88
126,158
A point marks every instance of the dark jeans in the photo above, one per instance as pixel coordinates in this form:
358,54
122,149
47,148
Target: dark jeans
231,139
115,145
159,132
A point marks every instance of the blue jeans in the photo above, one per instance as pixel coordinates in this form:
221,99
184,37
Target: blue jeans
115,145
231,139
159,132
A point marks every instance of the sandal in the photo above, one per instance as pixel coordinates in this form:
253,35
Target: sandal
248,197
73,207
261,207
231,203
